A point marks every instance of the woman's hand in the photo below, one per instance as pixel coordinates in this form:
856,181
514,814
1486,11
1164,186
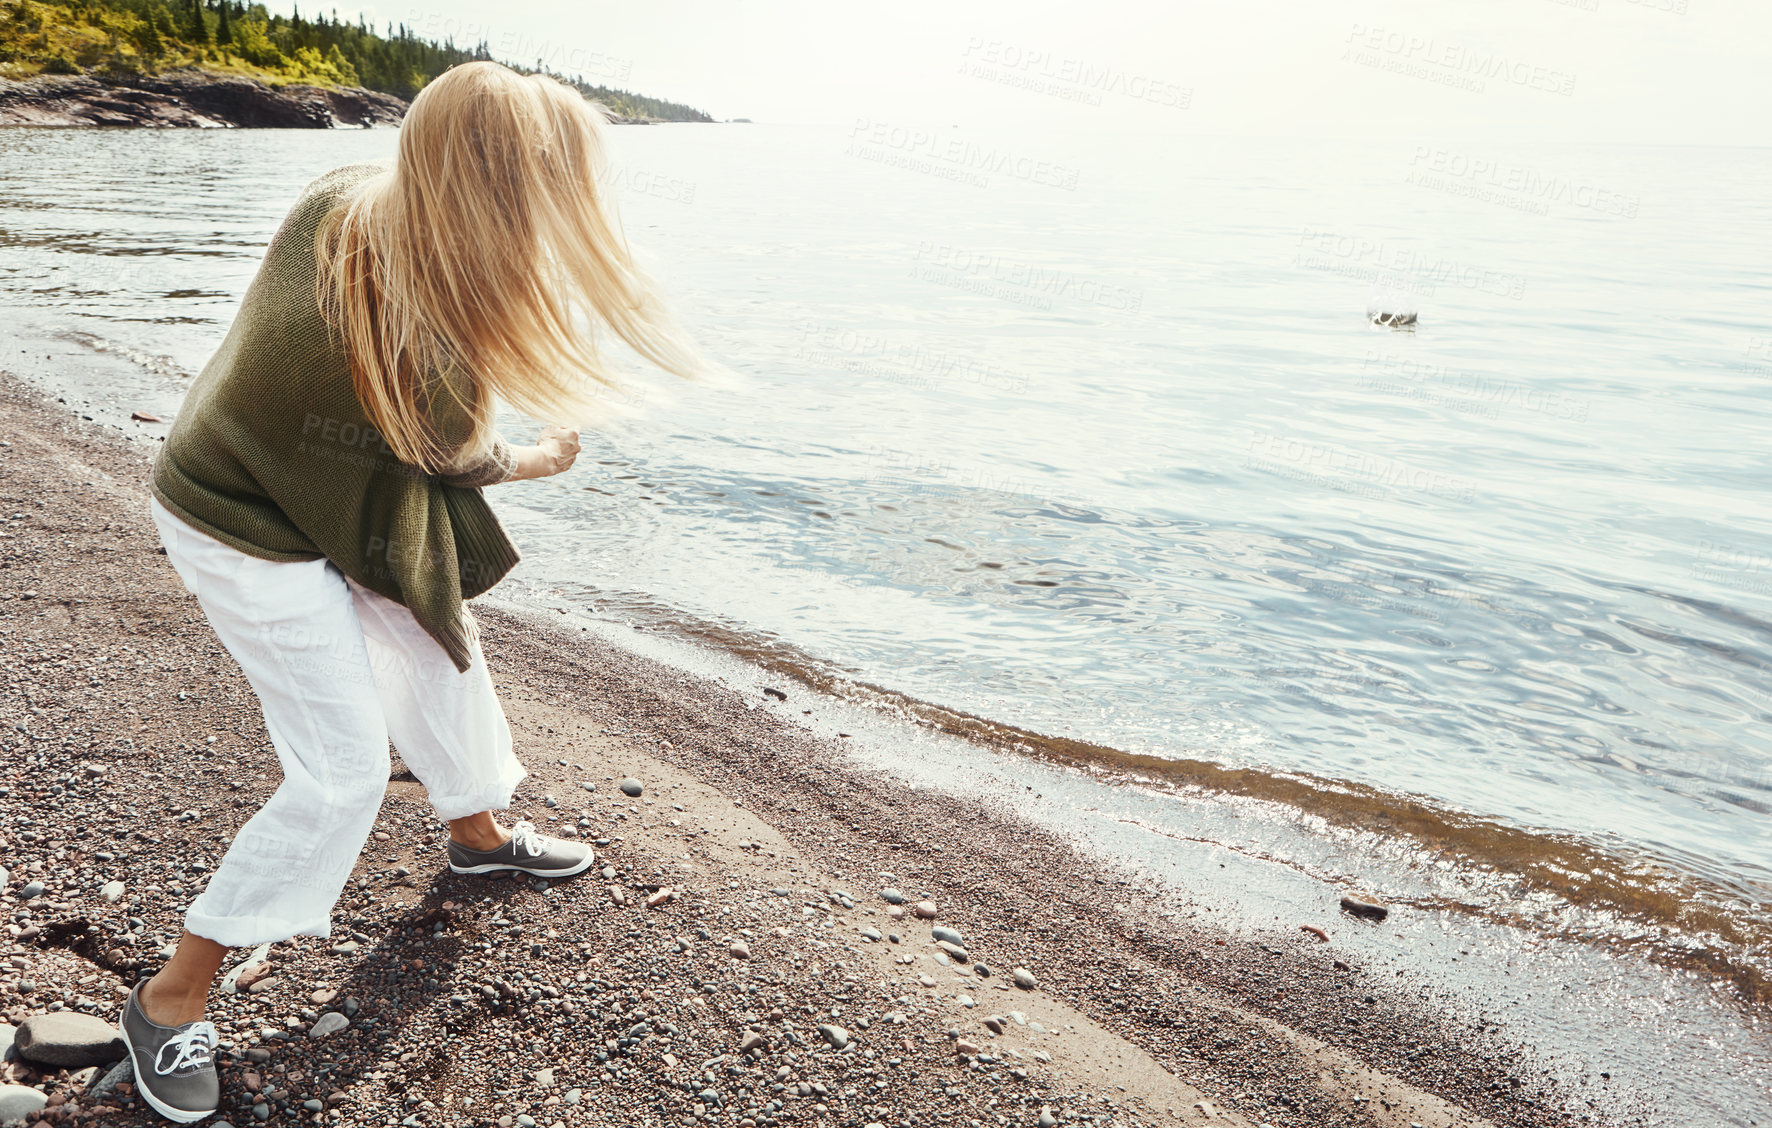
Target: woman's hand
554,453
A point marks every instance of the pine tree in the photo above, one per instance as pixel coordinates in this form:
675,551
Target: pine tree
224,31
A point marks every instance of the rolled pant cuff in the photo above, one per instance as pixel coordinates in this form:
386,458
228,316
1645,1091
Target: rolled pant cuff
249,932
494,796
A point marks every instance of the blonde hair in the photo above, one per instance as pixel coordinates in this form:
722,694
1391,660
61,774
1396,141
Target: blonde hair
489,253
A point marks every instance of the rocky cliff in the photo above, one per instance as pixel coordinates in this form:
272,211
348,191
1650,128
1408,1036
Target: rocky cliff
191,99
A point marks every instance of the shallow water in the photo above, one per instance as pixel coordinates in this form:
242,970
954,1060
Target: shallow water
1482,607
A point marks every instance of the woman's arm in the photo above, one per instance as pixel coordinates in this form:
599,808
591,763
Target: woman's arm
553,453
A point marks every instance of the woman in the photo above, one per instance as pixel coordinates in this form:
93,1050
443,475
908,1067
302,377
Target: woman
320,496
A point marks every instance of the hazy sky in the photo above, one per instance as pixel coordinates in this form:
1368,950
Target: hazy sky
1674,71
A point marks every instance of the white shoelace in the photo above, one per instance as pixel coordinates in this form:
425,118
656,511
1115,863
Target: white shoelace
195,1045
525,837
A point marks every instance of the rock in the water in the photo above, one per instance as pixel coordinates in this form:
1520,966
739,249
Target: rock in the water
1024,978
631,788
926,909
20,1102
952,936
330,1023
69,1040
1371,910
835,1035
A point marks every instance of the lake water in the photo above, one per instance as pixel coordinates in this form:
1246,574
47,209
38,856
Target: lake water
1100,446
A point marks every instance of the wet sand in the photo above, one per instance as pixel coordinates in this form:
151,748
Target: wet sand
133,751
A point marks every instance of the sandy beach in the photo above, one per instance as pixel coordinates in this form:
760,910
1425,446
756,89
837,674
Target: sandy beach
733,962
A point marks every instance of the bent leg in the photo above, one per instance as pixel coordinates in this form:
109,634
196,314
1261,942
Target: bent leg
293,629
448,725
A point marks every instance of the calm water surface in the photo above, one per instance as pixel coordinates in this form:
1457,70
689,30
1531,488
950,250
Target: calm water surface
1124,462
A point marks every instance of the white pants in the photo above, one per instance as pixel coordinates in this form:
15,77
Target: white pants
337,669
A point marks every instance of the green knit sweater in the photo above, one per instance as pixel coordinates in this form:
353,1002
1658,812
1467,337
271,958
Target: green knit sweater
273,453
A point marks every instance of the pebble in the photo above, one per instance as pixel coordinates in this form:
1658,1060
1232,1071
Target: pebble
953,950
69,1040
835,1035
926,909
631,788
330,1023
963,1046
1024,978
740,950
324,996
1371,910
31,889
892,896
1047,1120
994,1024
942,932
112,891
346,948
260,986
19,1101
751,1041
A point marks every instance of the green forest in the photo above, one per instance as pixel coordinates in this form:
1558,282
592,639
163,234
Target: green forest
118,39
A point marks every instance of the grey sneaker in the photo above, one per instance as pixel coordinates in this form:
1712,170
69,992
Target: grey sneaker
174,1065
528,851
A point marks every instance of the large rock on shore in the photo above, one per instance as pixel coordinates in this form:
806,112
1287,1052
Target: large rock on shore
191,99
69,1040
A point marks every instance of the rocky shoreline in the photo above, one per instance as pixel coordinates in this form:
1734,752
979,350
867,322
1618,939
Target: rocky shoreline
195,99
752,952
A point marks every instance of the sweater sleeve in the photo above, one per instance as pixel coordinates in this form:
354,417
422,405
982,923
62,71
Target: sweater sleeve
494,464
498,464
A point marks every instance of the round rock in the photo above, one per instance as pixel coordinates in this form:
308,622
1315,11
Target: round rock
892,896
1024,979
631,787
19,1102
330,1023
952,936
926,909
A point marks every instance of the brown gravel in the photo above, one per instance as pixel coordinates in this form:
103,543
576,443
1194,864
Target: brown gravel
132,750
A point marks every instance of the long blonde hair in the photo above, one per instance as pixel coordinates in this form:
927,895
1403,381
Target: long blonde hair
489,252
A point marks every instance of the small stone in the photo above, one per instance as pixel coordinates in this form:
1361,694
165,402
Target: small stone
30,890
544,1078
981,969
108,1081
573,1096
111,891
313,1106
69,1040
659,898
963,1046
631,788
895,912
942,932
1047,1120
926,909
1024,978
330,1023
1371,910
268,983
324,996
346,948
892,896
953,950
751,1041
835,1035
994,1024
740,950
